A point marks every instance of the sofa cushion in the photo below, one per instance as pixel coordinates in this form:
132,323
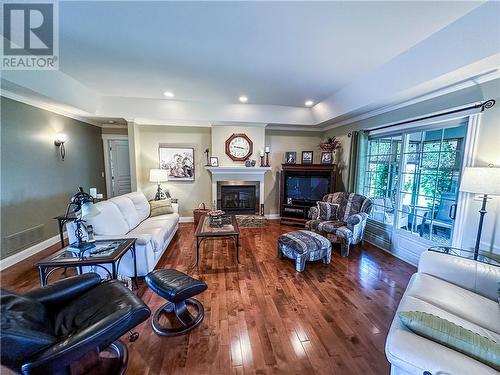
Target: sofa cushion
453,336
110,221
159,227
460,302
141,204
128,210
415,354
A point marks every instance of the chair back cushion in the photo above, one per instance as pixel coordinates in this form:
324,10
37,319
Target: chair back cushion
349,203
141,204
110,221
24,329
128,210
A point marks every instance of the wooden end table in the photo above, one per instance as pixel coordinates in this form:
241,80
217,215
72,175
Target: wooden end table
204,231
105,252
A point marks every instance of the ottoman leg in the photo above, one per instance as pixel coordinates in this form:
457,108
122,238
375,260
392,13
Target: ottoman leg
328,257
300,264
182,316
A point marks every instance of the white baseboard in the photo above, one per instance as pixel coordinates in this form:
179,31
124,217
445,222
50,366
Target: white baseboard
273,216
26,253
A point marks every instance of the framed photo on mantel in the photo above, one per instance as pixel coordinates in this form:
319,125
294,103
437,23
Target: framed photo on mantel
179,161
307,157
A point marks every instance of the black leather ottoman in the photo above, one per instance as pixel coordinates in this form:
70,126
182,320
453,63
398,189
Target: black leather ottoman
177,288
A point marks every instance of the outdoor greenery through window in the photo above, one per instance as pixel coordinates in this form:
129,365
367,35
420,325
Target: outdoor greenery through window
413,180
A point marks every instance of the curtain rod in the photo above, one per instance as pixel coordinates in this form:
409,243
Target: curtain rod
483,105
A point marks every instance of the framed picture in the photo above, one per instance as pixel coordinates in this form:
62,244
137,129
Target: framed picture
290,157
307,157
326,157
214,161
179,161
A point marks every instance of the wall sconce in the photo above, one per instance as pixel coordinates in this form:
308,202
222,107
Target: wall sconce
59,141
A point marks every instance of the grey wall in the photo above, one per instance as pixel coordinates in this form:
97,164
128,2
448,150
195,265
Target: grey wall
35,184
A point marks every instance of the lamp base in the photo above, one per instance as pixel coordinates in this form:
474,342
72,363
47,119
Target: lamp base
160,194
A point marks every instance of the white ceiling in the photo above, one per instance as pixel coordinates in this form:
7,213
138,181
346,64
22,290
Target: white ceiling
279,53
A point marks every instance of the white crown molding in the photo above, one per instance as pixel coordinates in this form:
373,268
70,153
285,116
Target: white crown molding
489,76
36,103
311,128
113,126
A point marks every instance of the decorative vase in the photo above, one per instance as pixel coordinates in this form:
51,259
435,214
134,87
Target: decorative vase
253,162
248,163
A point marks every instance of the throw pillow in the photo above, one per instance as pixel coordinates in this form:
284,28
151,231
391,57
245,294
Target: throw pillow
327,211
161,207
453,336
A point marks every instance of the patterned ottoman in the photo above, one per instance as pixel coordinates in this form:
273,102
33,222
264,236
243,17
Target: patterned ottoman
304,245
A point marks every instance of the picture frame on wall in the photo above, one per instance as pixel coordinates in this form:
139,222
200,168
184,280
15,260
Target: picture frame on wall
290,157
214,161
179,161
326,157
307,157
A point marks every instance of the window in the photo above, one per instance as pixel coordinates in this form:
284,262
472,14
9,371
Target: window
382,175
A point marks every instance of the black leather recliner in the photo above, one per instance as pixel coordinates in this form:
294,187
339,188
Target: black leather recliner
46,330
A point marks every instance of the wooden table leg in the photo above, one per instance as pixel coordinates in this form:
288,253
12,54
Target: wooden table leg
197,250
238,248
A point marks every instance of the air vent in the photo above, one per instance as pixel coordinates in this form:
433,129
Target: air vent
21,240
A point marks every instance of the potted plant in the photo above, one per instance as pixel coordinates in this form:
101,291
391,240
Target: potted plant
331,144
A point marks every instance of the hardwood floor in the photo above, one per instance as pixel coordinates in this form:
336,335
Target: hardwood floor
262,316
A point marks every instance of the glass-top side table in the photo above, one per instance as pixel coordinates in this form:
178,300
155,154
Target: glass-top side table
483,256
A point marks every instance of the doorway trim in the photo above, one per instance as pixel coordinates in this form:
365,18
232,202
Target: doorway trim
107,168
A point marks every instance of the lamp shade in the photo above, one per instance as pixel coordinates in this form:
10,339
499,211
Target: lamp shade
481,180
88,210
158,175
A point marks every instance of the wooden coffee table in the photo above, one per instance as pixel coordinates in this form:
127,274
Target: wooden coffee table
229,229
105,252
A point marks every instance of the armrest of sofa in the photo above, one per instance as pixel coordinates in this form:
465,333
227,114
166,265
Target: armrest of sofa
356,219
480,278
175,207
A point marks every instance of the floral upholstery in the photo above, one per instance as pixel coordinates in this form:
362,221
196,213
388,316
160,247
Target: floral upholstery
352,217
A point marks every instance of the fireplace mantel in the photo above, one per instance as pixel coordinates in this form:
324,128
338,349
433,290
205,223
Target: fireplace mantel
238,170
238,174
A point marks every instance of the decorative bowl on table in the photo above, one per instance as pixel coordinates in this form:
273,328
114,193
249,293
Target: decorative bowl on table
215,218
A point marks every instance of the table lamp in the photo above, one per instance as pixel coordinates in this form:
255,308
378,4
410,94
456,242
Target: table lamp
158,176
484,181
82,204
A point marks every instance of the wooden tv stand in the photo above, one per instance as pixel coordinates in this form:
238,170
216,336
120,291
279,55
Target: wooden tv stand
296,212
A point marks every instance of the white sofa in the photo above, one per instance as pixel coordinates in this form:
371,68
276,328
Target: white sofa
127,216
460,290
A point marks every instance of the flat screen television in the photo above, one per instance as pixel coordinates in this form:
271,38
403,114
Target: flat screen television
306,188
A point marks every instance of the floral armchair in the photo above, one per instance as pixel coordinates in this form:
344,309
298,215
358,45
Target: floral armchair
350,226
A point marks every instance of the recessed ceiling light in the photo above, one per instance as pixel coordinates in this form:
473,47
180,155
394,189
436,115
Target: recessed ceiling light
243,99
111,121
309,103
168,94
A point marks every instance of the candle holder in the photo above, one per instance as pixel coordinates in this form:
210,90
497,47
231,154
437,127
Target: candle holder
262,161
267,159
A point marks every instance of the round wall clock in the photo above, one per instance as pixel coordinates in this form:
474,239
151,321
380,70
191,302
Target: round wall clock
239,147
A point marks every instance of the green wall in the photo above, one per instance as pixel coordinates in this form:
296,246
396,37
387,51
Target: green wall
35,184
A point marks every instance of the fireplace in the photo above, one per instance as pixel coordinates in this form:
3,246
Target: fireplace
238,197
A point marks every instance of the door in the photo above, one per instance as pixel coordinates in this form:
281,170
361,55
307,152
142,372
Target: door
413,180
428,193
119,167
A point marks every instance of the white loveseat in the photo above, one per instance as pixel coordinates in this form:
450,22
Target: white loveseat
127,216
460,290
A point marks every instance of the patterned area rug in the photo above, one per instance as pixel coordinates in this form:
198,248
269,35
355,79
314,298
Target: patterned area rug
251,221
